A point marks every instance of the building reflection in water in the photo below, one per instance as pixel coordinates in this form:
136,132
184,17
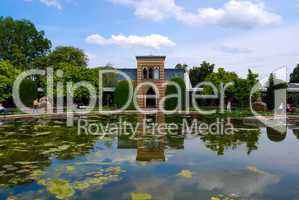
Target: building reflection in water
150,141
152,145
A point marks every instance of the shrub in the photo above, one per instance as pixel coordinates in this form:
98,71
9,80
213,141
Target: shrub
122,94
172,103
28,92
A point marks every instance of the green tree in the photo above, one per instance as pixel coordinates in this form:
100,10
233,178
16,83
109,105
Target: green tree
270,94
294,77
222,76
73,74
243,87
181,66
70,55
8,75
121,95
28,91
172,103
21,43
199,74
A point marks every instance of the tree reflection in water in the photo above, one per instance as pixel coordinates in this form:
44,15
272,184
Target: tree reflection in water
275,136
296,133
221,143
28,148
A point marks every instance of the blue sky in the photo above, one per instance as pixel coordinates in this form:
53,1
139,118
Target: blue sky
234,34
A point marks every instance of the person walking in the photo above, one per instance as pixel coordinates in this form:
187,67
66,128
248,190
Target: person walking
35,106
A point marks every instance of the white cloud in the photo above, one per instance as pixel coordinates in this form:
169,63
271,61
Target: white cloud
234,13
153,41
264,55
91,56
54,3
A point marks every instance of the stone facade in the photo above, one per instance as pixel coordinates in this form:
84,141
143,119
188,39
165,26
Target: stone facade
151,65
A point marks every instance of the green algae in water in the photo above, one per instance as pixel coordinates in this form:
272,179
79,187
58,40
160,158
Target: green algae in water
81,185
185,174
37,173
115,170
70,169
60,188
254,169
140,196
42,134
11,198
221,197
42,182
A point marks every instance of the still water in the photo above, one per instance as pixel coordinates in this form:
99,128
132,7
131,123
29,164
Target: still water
44,159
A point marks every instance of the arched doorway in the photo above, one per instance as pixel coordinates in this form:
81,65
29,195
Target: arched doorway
151,98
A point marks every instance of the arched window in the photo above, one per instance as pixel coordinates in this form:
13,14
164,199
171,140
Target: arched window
145,73
151,73
156,74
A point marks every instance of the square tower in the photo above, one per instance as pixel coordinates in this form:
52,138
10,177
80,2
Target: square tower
150,70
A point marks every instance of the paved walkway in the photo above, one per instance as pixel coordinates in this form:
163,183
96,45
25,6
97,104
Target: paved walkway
63,115
97,113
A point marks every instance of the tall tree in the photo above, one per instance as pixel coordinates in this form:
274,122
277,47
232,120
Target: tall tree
222,76
69,55
270,92
21,42
199,74
294,77
243,89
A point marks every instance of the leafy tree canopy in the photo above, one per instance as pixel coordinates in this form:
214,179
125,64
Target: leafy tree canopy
70,55
121,95
21,42
199,74
7,76
221,76
241,88
294,77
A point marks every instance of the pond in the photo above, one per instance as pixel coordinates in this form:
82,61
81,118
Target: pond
45,159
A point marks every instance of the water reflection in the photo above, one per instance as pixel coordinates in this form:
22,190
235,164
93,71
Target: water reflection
296,133
27,149
276,136
151,149
36,153
221,143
